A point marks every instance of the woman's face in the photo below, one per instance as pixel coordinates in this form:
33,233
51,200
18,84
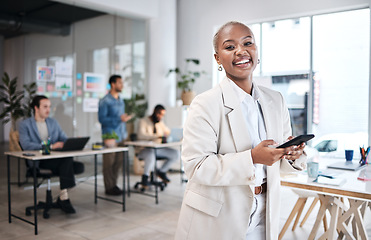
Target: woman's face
237,52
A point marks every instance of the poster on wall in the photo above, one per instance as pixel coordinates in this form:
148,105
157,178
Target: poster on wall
94,82
63,68
63,83
90,104
45,73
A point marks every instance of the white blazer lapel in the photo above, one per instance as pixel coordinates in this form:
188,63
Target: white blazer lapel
240,133
267,110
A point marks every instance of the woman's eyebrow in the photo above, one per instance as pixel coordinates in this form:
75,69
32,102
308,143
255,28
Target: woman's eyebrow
229,40
248,36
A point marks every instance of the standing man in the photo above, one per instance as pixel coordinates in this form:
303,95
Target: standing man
33,131
154,129
112,116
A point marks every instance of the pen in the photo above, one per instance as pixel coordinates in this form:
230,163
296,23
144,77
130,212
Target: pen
327,176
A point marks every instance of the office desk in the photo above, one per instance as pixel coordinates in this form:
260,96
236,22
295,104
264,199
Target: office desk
54,154
357,192
153,145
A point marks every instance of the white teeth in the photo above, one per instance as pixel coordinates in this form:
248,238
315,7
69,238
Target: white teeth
242,62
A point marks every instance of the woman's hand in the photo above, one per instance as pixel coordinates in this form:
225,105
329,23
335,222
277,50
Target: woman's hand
263,154
294,152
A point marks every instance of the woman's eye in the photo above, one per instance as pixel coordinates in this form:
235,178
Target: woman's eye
247,43
230,47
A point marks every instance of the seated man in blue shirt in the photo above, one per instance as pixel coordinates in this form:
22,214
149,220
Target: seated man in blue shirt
39,128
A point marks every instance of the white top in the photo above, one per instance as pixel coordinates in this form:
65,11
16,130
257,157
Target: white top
43,130
255,123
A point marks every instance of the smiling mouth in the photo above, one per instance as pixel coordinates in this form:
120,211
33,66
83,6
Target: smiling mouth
242,62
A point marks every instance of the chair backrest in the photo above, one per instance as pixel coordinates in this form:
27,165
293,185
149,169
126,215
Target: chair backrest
29,165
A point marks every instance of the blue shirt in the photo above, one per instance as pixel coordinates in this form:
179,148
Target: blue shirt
109,115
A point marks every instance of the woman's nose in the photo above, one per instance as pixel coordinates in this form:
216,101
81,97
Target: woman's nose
241,50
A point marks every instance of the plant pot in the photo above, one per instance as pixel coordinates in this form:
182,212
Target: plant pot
110,143
14,141
187,97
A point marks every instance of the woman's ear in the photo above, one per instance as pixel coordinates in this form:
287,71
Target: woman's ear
216,56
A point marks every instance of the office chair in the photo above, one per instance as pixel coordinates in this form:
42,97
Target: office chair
152,181
46,174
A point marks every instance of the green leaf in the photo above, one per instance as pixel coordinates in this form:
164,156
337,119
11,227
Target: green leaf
111,135
186,80
195,61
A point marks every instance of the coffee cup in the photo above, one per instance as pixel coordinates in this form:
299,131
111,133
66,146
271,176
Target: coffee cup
312,169
349,155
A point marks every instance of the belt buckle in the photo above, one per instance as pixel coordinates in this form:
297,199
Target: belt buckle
260,190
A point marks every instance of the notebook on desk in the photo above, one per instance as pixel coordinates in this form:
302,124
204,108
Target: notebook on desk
346,166
73,144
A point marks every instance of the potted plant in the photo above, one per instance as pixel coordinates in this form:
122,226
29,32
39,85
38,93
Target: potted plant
186,79
109,139
138,107
16,106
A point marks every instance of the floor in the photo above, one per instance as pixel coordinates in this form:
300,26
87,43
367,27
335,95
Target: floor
143,219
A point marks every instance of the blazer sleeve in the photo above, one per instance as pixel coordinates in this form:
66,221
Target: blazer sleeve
27,137
206,128
300,163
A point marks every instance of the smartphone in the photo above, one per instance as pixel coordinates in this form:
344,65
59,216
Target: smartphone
28,154
297,140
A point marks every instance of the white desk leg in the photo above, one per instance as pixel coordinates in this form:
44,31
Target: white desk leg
334,212
325,204
355,206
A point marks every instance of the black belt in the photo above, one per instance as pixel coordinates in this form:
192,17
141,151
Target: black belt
261,189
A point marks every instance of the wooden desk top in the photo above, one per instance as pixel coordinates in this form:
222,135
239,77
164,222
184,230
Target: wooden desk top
152,144
352,187
62,154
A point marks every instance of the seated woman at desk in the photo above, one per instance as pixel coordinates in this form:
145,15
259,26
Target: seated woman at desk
39,128
153,129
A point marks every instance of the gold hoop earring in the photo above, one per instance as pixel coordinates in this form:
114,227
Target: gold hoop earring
220,68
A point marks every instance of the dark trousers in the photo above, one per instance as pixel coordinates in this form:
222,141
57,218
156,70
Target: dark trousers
63,167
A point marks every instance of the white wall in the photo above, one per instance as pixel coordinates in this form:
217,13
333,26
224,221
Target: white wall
162,56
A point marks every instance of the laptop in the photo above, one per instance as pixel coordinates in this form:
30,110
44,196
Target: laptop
73,144
346,166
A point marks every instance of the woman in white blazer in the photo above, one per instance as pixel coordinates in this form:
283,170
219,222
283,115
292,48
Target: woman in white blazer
221,155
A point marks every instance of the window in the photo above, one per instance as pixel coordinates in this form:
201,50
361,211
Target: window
286,46
341,65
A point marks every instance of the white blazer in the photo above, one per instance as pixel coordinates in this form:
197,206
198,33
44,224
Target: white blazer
217,159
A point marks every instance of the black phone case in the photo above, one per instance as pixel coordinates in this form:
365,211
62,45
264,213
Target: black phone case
297,140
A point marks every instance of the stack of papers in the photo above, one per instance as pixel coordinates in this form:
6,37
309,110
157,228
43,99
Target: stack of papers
330,181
